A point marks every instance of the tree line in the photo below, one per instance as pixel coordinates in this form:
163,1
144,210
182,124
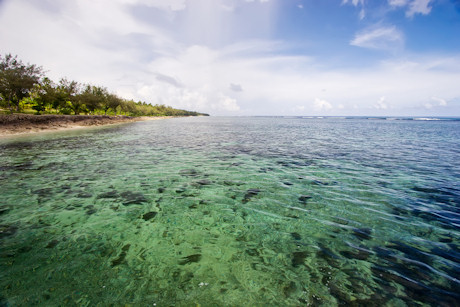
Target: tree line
25,86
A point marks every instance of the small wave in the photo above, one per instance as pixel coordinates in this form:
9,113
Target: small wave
426,118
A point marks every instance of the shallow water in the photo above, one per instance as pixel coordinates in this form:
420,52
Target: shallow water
233,212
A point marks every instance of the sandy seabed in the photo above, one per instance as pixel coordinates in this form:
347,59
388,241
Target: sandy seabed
15,124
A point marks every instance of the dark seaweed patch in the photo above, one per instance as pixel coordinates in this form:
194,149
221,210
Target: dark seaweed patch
362,233
52,244
44,192
331,258
203,182
252,252
149,215
122,255
190,259
250,194
7,230
90,210
189,172
3,210
109,194
355,254
84,195
131,198
289,289
410,252
304,198
298,258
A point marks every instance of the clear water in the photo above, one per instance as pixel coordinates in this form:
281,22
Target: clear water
233,212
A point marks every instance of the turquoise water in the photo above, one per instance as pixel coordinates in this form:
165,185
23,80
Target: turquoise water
233,212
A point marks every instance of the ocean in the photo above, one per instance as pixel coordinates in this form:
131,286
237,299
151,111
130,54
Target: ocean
233,211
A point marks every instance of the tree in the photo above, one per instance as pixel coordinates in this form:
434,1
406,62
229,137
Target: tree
17,80
71,91
43,95
93,97
112,101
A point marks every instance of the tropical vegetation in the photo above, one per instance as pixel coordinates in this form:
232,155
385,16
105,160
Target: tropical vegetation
25,88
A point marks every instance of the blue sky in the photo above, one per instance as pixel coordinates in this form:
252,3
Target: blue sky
250,57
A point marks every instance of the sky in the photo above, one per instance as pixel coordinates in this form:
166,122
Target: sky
250,57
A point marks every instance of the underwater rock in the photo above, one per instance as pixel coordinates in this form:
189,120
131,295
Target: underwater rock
289,289
7,230
189,172
411,252
90,210
24,249
52,244
149,215
298,258
3,210
84,195
43,192
342,296
355,254
131,198
318,182
249,194
190,259
232,183
122,255
252,252
411,285
331,258
65,187
362,233
203,182
340,220
109,194
304,198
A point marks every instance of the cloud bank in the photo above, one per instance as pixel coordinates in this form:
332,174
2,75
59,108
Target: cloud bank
219,57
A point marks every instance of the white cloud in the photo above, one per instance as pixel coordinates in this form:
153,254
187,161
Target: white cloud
381,104
398,3
174,5
383,38
322,105
440,102
414,7
362,12
354,2
419,7
226,103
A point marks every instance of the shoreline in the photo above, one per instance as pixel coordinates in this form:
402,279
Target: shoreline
25,124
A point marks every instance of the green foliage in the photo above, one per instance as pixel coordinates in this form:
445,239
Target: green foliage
17,80
22,84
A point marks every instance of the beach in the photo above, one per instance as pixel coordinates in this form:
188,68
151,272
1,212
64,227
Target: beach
15,124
